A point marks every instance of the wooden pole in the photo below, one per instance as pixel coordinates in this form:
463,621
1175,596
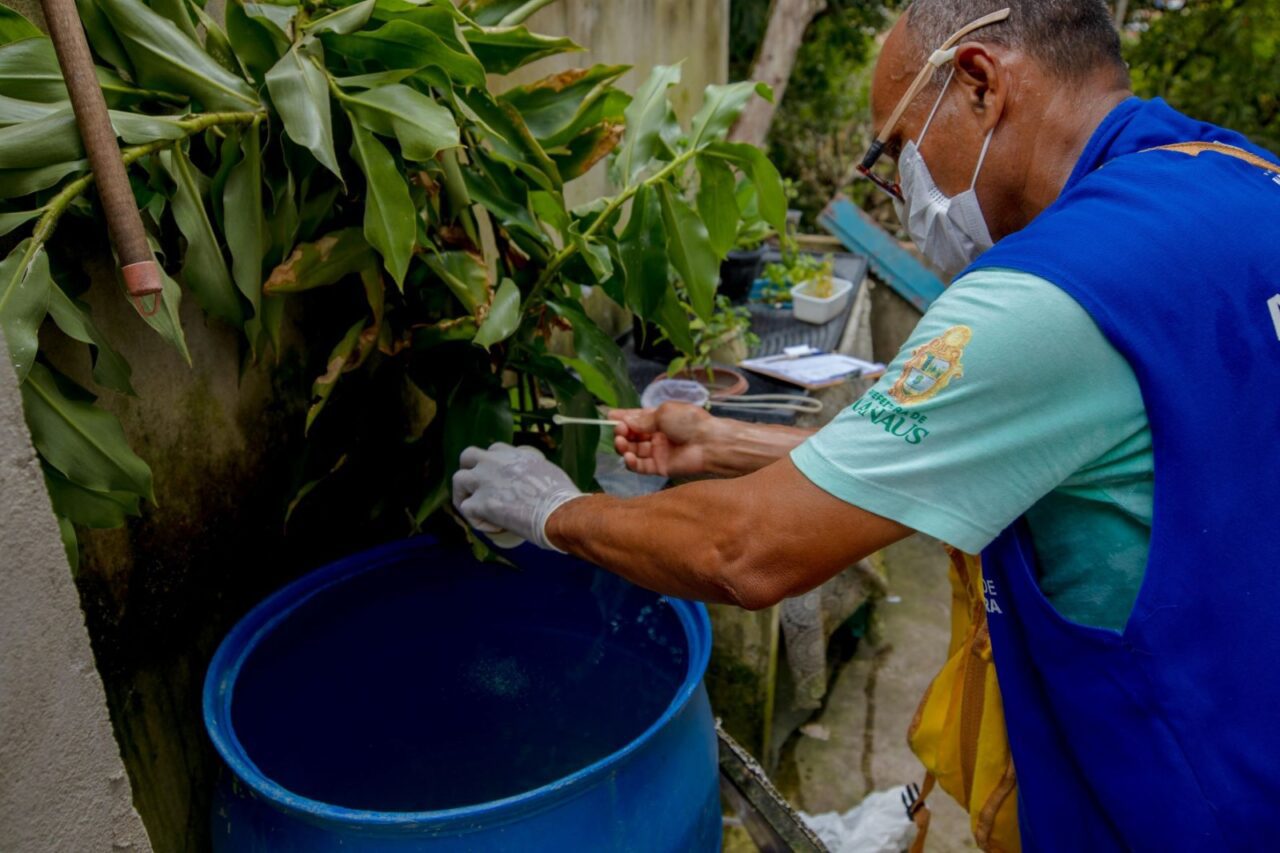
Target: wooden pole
124,223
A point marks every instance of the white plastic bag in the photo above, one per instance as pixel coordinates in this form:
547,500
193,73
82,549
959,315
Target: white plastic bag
879,824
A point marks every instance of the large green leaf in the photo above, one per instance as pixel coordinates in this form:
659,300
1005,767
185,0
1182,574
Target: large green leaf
50,135
138,129
718,203
73,318
597,359
246,227
554,107
771,196
494,185
721,106
689,247
16,110
44,142
582,153
504,128
594,253
10,221
204,269
502,50
259,44
404,44
29,70
83,442
673,319
578,444
165,57
491,13
422,126
643,249
167,321
648,117
176,11
390,221
503,317
216,42
24,301
465,275
477,414
102,37
324,384
343,21
301,94
14,27
324,262
15,183
85,507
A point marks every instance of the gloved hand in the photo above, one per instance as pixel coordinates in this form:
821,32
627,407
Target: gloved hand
508,493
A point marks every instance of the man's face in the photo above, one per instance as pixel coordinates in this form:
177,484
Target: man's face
952,146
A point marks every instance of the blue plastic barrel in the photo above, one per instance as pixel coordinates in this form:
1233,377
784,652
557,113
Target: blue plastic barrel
412,699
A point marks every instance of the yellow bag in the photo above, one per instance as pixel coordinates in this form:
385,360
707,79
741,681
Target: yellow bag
958,731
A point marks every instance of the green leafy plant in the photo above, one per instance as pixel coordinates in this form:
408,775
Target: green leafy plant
795,269
728,329
355,153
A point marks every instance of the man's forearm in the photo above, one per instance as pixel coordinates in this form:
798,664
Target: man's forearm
749,542
664,542
739,448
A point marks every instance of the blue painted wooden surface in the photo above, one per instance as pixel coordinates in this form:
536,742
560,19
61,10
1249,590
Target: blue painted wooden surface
890,262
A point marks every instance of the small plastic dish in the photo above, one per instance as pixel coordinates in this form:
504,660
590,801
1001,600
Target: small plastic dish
811,309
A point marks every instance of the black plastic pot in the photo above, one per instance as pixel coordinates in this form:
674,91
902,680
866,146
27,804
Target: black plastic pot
649,342
739,271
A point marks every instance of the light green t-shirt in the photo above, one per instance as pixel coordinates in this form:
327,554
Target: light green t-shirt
1007,400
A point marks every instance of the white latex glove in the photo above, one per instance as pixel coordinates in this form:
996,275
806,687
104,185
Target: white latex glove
508,493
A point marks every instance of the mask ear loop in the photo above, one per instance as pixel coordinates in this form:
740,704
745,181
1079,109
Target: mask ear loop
937,103
981,159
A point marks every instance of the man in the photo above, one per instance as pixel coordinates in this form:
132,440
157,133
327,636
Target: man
1123,332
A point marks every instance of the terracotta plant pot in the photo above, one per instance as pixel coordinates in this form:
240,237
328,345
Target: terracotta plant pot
723,381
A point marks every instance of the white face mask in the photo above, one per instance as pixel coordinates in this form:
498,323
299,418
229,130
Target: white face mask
950,231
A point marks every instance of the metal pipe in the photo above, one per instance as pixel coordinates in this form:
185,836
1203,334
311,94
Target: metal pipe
137,265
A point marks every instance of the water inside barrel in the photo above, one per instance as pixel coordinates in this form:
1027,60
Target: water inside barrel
421,690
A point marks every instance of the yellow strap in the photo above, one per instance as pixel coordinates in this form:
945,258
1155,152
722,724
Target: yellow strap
1195,149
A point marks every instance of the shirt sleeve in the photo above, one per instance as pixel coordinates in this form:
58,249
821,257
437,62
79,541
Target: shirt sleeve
1005,389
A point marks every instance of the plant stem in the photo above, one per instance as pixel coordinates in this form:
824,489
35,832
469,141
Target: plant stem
564,255
59,203
192,125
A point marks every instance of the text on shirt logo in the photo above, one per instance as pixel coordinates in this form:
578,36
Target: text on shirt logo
892,418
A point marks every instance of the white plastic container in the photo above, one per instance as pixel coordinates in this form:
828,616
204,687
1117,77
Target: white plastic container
811,309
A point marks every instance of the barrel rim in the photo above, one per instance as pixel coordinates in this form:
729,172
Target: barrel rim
243,639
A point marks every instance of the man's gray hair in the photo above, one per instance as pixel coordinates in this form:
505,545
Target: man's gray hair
1071,38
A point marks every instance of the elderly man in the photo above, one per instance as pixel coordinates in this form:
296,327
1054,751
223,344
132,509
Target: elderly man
1114,327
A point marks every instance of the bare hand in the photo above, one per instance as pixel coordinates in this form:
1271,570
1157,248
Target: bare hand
670,441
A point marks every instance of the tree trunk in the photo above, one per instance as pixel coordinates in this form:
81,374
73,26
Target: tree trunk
1122,13
788,20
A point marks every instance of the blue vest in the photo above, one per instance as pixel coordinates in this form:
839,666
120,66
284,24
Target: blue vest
1166,736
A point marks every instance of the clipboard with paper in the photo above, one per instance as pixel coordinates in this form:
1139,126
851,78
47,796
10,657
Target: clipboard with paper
811,368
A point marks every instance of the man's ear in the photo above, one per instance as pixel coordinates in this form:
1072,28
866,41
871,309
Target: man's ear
983,80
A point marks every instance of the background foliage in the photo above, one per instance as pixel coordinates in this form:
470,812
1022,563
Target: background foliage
356,153
1217,60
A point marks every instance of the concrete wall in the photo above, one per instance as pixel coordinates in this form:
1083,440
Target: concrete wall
63,786
641,33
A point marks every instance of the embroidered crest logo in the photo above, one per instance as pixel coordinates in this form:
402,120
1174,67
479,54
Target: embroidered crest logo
932,367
